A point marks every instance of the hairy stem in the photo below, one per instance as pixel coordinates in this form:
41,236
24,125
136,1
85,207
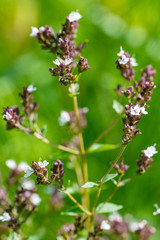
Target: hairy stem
104,132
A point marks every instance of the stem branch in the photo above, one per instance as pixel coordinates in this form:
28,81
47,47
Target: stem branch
43,139
78,204
100,185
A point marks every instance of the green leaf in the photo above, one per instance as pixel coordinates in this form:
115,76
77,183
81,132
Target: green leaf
89,185
108,207
99,147
109,177
73,212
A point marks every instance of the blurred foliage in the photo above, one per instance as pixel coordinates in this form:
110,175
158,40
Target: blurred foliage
107,25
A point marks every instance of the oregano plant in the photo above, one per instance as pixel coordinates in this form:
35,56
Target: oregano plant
99,220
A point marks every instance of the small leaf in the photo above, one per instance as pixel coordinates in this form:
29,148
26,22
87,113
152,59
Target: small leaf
118,107
73,212
73,95
98,147
108,207
44,130
89,185
109,177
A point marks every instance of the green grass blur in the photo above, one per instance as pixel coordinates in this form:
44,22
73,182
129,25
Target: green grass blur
107,25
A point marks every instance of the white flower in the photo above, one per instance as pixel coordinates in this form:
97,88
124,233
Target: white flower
41,29
150,151
11,164
22,166
133,226
5,217
57,62
74,16
35,199
66,62
28,185
28,170
105,225
76,88
137,110
30,88
123,59
8,116
42,164
121,53
115,217
117,107
143,111
34,32
64,118
157,210
133,62
142,224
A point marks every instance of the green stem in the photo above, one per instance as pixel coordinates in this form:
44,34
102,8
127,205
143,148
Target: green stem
100,185
82,149
78,204
78,169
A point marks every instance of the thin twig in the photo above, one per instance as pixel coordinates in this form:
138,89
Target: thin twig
78,204
100,185
104,132
43,139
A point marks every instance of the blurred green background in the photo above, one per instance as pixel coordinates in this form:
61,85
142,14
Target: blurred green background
107,25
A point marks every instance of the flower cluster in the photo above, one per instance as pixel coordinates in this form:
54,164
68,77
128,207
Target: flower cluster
71,230
41,172
45,36
25,201
115,227
146,159
121,168
133,116
125,64
64,46
30,107
39,169
142,90
12,114
138,93
57,172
